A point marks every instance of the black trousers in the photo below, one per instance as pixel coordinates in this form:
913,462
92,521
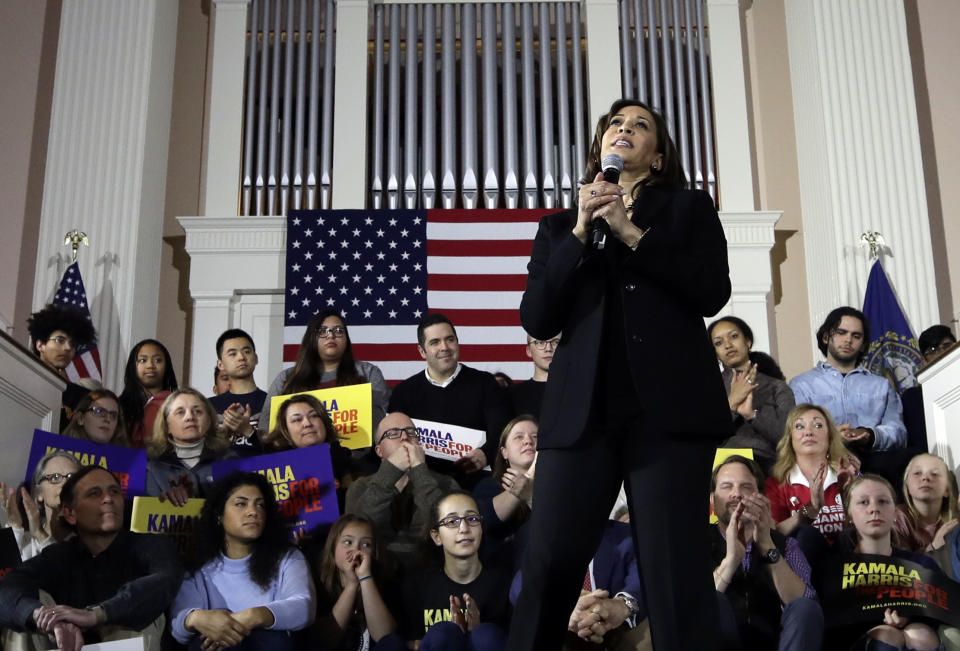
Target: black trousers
667,484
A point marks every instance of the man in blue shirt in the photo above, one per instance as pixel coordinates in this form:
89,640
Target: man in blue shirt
865,407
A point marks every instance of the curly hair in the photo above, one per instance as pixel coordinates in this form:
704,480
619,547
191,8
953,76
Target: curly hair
308,368
209,537
75,430
134,397
55,317
160,442
832,322
787,456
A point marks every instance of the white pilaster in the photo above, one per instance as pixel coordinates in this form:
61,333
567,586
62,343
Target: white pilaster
106,163
858,150
349,105
223,122
603,57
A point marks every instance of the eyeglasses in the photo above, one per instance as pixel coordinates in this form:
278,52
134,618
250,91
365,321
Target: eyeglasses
60,340
453,522
397,432
104,413
939,348
335,331
55,478
541,345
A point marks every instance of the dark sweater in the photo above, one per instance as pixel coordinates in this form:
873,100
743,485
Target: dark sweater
527,397
473,399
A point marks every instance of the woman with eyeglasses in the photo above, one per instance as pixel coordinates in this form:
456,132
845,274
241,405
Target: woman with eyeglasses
460,603
40,506
325,360
98,419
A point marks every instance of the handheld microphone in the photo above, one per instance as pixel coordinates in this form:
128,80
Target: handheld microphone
611,165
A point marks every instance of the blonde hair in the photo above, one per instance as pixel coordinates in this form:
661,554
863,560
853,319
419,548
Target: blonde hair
787,456
948,507
160,443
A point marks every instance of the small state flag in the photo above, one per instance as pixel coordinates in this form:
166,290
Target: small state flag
86,363
893,350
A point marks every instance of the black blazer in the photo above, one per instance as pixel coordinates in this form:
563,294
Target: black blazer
677,276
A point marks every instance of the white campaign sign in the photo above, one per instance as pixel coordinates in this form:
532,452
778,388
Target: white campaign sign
448,442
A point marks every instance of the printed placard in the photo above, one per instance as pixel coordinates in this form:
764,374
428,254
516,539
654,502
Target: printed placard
127,464
350,409
720,457
448,442
302,480
860,587
150,515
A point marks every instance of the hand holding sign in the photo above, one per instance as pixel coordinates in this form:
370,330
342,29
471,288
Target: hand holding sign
473,461
180,490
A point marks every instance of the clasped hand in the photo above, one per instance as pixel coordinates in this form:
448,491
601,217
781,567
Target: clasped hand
602,200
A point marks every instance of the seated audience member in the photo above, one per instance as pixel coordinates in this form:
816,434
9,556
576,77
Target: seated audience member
870,505
326,360
106,583
246,584
56,332
528,396
758,402
301,422
241,403
458,603
811,471
616,621
929,511
184,446
505,498
41,503
933,342
455,394
395,497
762,577
221,381
354,595
147,381
866,407
98,418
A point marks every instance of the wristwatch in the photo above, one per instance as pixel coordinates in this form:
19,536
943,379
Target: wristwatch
772,556
632,604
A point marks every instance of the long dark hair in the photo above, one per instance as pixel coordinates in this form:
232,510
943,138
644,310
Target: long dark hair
134,396
670,175
426,548
208,536
308,369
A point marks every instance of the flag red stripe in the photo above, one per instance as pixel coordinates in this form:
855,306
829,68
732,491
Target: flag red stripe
477,248
407,352
485,216
490,283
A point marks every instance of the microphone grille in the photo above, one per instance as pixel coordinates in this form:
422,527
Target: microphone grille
612,161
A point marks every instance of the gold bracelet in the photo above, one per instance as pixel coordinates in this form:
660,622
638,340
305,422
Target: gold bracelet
641,236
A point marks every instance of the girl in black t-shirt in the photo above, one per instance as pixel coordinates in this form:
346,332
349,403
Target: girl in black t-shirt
461,604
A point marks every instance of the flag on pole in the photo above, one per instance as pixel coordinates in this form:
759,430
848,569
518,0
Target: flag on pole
893,350
385,269
86,362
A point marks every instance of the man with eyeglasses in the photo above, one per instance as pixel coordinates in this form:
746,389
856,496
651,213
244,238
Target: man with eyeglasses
56,332
934,342
397,497
106,583
455,394
528,396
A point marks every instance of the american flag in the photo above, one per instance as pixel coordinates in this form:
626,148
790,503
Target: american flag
385,269
86,363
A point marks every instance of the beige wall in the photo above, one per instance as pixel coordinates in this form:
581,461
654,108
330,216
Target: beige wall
935,50
778,179
28,50
183,187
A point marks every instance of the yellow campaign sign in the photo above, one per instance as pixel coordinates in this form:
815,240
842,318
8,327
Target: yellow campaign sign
720,457
150,515
350,409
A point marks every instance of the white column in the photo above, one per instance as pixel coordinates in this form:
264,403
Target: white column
603,57
858,153
223,122
349,105
107,162
729,86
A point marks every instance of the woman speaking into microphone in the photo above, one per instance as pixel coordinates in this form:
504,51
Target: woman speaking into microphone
634,394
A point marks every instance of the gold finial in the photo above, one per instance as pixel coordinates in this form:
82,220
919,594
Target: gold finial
75,238
875,241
